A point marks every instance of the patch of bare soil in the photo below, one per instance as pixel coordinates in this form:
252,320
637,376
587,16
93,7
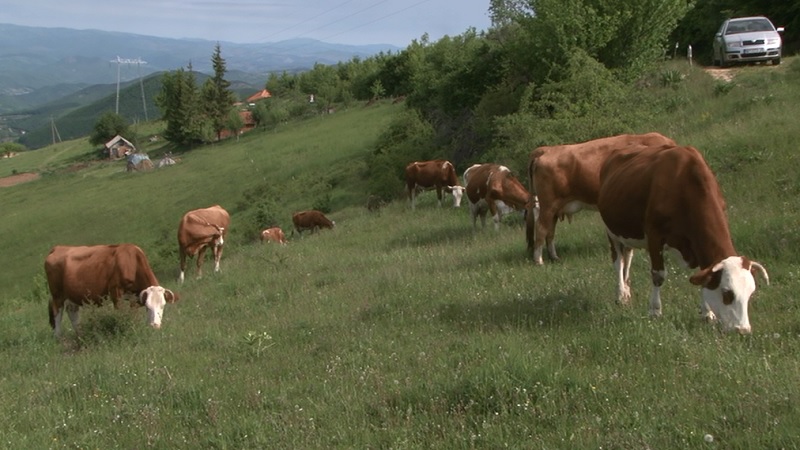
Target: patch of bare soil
720,73
14,180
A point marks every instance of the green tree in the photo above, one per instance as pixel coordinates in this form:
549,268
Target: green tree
11,147
179,102
234,122
216,94
107,126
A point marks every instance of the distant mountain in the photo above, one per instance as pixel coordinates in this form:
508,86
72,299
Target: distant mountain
76,114
33,59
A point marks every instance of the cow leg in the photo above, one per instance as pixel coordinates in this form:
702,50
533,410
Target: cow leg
620,255
183,264
495,213
201,253
705,312
473,211
55,318
439,195
542,233
657,272
412,195
74,315
217,257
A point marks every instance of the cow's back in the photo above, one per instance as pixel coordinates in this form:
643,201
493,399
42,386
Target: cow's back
91,272
194,224
476,179
670,190
574,169
310,219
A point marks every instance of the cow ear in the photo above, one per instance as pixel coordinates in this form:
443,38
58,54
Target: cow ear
709,277
170,297
143,297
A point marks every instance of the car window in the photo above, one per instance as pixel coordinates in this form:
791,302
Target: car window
735,28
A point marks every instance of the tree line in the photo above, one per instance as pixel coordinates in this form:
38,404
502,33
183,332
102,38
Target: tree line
546,72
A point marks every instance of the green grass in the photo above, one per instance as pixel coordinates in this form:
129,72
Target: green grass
402,329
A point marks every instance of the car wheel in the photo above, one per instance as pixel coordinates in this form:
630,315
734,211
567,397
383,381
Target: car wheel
776,61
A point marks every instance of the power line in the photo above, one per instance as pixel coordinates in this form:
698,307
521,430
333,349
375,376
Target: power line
120,62
306,21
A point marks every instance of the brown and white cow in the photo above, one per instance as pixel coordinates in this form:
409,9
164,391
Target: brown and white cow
668,197
274,234
566,179
87,275
199,229
493,188
311,220
438,174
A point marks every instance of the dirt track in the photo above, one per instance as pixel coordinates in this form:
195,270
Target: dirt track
17,179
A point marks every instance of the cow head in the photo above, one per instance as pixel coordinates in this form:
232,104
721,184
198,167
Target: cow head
219,237
458,192
727,287
155,298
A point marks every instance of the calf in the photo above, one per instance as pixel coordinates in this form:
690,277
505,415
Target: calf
274,234
311,220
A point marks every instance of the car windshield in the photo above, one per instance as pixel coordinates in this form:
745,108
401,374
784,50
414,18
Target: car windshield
748,26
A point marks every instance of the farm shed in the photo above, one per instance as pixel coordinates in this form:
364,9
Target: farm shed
118,147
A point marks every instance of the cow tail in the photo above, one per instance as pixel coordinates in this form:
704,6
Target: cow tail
530,217
51,314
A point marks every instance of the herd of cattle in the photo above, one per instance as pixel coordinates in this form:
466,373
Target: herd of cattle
651,193
78,275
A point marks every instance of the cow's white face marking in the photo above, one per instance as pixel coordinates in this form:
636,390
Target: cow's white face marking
153,298
458,193
729,301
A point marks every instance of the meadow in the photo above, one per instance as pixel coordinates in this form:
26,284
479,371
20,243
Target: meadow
400,328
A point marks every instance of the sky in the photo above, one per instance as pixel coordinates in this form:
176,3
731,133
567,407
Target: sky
357,22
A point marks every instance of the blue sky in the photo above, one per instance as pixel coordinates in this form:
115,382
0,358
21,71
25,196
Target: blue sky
395,22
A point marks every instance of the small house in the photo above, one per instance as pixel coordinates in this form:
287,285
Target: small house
118,148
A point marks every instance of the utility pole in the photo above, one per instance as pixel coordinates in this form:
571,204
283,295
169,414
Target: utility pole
138,62
54,130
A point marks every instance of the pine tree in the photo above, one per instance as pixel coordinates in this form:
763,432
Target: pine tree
179,102
217,96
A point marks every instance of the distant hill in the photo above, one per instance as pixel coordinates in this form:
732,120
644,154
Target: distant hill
76,114
69,75
33,59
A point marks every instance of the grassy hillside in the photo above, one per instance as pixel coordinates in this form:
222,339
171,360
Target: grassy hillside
403,329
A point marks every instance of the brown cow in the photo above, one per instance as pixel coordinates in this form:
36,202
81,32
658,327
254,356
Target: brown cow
438,174
274,234
668,197
494,188
201,228
82,275
311,220
566,179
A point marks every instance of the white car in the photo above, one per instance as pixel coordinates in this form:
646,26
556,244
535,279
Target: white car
747,39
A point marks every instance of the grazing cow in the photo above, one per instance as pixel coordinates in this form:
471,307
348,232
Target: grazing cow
274,234
201,228
438,174
565,179
494,188
668,197
83,275
311,220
